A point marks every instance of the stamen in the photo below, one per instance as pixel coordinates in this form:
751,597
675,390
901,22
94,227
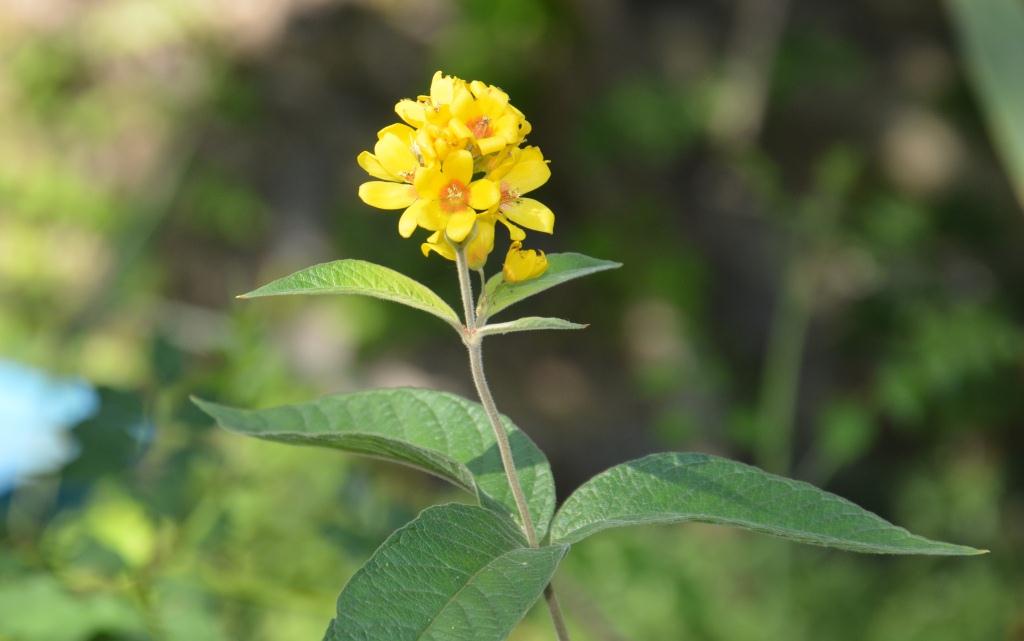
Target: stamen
453,197
481,127
415,148
509,195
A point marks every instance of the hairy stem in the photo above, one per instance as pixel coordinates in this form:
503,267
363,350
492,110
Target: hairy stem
466,290
476,366
557,619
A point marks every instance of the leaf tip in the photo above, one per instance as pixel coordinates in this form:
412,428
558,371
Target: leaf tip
198,402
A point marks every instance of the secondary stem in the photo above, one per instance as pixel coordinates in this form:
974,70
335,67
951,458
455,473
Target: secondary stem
476,366
557,619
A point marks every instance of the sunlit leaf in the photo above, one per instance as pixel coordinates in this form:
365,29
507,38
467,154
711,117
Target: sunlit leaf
674,487
361,278
498,294
440,433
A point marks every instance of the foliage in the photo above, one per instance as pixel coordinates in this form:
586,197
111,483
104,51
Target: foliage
158,158
991,33
473,572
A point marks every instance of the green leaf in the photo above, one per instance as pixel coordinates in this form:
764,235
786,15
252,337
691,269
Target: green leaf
992,36
443,434
675,487
528,324
561,268
455,573
359,277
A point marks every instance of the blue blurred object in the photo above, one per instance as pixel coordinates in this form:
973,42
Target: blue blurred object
36,411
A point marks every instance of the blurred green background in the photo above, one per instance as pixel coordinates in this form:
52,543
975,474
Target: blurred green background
824,275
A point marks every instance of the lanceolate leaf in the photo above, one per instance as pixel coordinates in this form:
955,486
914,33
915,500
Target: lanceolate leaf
992,35
359,277
561,268
440,433
528,324
455,573
677,487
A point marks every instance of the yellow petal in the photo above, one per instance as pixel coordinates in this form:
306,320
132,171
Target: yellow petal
478,88
428,182
491,99
460,224
483,194
481,245
442,88
395,155
372,166
441,148
506,126
531,214
458,166
499,164
527,175
424,145
437,243
462,102
514,232
410,219
431,217
404,132
524,127
523,264
530,153
387,195
491,144
460,129
412,112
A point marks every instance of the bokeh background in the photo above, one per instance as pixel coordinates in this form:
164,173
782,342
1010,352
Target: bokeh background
824,275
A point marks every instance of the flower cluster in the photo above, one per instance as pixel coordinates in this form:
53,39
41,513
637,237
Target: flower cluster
457,167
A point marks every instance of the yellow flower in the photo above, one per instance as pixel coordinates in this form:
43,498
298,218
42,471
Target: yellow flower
523,264
478,247
523,171
449,198
396,164
487,121
435,108
457,115
425,165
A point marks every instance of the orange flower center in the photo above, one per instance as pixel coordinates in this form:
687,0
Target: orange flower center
509,194
454,197
480,126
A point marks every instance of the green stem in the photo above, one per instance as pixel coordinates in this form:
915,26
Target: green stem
466,290
561,632
476,366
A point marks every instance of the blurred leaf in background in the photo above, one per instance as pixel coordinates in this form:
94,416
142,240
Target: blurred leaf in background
992,37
